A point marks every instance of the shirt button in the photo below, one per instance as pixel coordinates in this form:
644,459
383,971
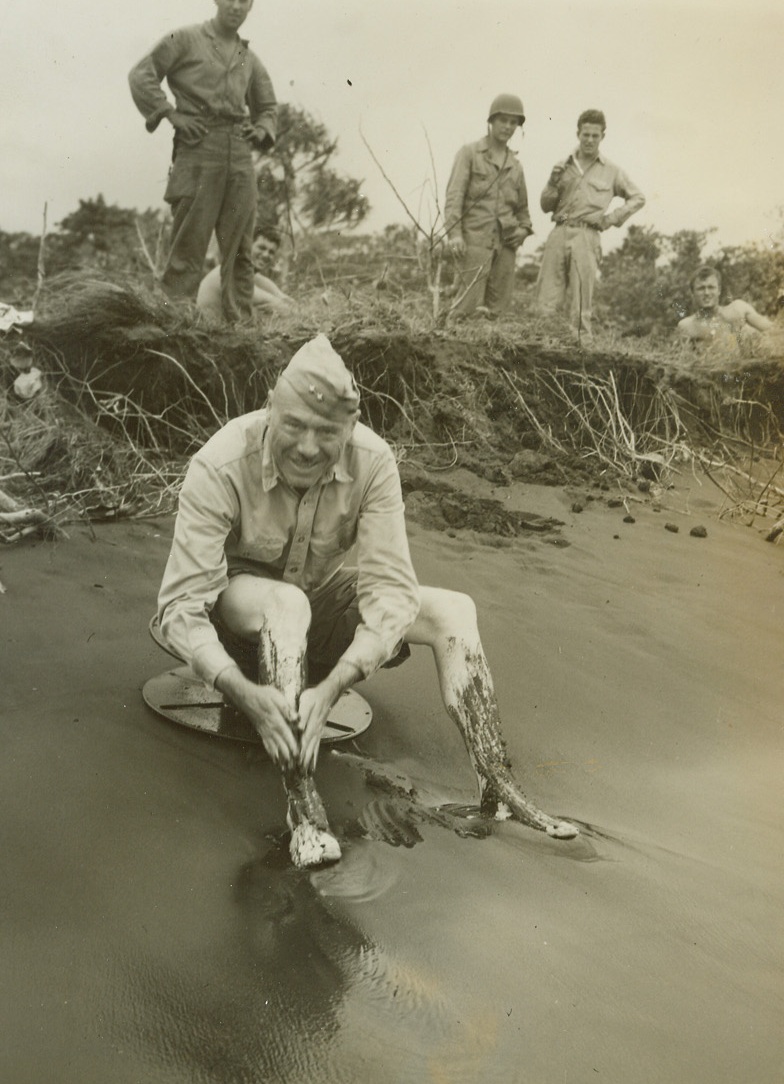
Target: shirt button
301,538
295,568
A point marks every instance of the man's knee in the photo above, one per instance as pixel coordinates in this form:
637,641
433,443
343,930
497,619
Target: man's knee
447,613
250,604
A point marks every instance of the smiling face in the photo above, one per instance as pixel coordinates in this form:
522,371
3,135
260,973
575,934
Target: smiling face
231,14
502,126
263,253
304,444
589,137
706,293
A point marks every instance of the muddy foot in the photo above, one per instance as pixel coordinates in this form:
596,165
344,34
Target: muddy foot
562,830
311,846
515,804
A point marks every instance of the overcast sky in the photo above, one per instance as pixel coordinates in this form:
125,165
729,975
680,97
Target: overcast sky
692,90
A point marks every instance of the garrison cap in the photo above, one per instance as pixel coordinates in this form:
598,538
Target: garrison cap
319,377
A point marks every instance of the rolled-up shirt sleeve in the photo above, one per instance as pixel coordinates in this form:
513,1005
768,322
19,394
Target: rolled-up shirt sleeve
262,105
551,194
633,198
145,80
387,588
196,570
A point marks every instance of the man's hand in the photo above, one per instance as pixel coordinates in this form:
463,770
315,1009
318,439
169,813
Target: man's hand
314,708
517,237
249,133
457,246
555,176
269,712
192,129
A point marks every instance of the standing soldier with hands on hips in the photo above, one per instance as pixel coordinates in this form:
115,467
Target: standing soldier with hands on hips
224,106
486,212
578,193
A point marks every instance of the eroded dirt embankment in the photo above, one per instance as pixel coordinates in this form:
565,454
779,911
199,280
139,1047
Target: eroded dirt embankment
132,387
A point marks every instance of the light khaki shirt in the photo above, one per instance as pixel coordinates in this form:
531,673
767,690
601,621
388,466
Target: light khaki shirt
584,195
204,84
237,513
485,203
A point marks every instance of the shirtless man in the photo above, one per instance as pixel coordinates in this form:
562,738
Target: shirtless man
712,323
267,295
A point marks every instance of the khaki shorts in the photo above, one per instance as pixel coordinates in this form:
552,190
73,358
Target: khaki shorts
334,619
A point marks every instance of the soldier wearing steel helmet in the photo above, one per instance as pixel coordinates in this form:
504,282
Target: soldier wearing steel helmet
486,212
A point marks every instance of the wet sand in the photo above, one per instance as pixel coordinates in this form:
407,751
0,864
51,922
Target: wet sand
154,933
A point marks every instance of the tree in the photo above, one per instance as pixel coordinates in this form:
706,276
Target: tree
299,191
103,236
630,279
645,281
18,267
753,272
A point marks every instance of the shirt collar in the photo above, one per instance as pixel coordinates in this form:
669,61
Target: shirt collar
573,157
209,30
484,146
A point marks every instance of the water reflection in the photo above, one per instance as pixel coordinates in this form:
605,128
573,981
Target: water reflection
261,999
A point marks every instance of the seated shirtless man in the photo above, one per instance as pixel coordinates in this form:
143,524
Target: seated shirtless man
257,598
720,325
267,295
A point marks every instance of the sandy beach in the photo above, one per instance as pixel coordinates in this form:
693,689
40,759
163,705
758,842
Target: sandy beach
153,931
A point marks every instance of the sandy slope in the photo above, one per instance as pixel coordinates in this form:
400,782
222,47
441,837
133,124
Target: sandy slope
153,933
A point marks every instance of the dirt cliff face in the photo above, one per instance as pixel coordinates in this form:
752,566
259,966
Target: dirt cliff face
133,386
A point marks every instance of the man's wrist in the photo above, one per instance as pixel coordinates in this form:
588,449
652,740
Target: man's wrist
343,675
230,680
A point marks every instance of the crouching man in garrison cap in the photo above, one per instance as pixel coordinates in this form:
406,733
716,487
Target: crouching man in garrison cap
257,598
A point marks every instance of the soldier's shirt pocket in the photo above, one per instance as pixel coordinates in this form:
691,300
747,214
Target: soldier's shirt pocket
264,549
333,543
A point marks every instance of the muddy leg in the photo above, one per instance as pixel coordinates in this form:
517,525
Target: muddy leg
473,707
447,623
282,643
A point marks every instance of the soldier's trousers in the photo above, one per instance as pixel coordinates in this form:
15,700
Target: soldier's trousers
212,186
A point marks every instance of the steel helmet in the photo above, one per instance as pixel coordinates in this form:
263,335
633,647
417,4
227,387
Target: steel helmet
507,103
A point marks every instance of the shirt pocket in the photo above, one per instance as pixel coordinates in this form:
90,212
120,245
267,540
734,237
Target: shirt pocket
482,183
263,548
334,543
599,194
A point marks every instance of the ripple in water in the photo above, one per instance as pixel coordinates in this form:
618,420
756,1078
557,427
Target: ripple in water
365,872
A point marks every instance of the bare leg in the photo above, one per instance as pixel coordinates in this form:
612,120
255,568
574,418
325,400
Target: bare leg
282,664
447,623
281,616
